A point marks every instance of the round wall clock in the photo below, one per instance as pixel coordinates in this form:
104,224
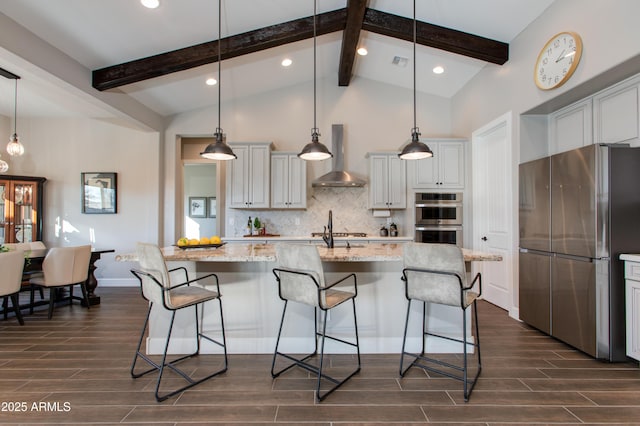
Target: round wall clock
557,60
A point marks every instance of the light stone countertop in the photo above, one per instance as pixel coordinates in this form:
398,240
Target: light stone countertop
259,252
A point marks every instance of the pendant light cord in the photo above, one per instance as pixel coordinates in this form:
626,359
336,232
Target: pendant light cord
15,109
219,130
315,127
414,68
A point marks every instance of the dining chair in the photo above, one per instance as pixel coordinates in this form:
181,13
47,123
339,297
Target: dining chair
436,274
172,290
11,265
64,267
300,278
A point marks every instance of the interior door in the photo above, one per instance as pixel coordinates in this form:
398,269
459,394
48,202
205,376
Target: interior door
493,209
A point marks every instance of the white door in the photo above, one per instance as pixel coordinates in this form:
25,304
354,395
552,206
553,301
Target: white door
493,209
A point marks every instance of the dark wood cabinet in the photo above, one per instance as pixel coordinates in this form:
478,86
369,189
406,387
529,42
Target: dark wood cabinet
21,208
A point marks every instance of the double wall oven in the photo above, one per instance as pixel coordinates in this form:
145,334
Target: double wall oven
438,217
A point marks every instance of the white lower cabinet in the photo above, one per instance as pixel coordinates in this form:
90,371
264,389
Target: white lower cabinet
632,301
288,181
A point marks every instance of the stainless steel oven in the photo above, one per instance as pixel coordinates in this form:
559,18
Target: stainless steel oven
439,234
438,217
438,208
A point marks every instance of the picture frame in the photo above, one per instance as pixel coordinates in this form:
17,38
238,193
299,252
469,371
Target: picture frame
212,206
197,207
99,192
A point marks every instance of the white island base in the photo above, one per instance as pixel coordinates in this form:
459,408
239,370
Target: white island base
252,313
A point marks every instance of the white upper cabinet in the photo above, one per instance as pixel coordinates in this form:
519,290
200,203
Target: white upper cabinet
445,170
387,181
248,176
616,113
570,127
288,181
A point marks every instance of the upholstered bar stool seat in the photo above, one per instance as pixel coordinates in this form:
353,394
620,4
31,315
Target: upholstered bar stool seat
436,274
171,289
301,279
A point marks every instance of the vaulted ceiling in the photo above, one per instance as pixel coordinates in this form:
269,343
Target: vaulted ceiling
162,57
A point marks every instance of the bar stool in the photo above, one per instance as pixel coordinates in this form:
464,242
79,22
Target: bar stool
158,288
435,273
300,279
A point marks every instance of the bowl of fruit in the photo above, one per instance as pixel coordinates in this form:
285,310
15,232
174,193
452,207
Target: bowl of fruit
203,242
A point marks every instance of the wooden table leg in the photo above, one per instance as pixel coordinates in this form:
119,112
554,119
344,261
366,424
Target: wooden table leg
91,282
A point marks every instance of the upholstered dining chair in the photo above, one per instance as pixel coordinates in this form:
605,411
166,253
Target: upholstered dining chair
436,274
64,267
172,290
300,278
11,265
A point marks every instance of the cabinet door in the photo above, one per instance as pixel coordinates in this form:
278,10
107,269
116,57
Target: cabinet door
238,178
617,113
24,211
451,165
297,182
632,298
259,176
379,182
426,170
570,127
397,193
279,181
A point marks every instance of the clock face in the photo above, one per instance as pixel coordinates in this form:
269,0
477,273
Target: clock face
557,60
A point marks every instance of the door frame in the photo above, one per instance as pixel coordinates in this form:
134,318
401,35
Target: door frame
505,120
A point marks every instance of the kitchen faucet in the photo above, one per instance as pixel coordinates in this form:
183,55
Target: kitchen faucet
328,239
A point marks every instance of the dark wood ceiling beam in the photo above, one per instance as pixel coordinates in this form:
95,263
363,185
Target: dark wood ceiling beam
207,53
350,39
435,36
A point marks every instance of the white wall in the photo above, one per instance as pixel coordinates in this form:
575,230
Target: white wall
376,117
610,34
61,149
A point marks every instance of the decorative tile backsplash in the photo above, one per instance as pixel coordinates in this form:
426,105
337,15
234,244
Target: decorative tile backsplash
349,207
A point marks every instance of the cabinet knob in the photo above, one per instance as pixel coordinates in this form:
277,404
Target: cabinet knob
484,238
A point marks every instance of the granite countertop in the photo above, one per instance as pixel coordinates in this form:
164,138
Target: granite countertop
252,252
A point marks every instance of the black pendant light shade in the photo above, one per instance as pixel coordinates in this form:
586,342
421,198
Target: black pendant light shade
415,150
314,150
218,150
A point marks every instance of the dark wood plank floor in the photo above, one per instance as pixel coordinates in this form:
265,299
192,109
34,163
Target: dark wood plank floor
74,369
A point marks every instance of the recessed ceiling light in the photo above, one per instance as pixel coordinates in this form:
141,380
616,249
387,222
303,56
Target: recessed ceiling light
438,70
151,4
212,81
362,51
286,62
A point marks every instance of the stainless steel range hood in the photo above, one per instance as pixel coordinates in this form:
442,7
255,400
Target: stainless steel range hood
337,177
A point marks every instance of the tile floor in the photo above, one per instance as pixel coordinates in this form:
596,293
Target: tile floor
74,369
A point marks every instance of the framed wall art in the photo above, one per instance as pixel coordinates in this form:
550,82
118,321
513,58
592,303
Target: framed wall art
99,193
197,206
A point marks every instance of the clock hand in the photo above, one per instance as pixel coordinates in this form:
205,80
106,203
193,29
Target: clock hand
561,57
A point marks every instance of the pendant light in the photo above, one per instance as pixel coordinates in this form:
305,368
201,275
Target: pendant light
15,148
219,150
415,150
4,167
314,150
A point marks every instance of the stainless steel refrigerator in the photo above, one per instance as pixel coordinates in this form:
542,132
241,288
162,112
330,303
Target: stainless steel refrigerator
579,211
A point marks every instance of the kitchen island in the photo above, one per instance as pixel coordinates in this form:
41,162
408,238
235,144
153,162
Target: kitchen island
252,307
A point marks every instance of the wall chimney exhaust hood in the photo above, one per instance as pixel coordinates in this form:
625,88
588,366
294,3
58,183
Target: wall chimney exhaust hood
337,177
